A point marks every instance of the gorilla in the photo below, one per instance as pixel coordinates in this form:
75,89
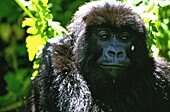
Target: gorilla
102,65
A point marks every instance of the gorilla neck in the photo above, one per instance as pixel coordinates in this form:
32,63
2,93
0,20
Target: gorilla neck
111,91
120,94
106,89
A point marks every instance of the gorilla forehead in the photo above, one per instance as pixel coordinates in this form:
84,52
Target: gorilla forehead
112,14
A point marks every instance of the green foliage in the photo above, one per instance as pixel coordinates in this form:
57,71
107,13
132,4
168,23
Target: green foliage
16,86
13,65
41,28
63,10
156,15
7,10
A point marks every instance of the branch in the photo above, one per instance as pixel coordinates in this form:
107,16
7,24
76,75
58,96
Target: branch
11,107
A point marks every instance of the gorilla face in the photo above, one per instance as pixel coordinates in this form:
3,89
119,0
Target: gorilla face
110,50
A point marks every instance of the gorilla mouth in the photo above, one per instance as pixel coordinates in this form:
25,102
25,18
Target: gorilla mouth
113,69
112,65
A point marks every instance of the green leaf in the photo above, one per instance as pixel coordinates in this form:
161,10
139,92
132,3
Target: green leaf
12,83
8,99
154,28
17,82
18,31
5,31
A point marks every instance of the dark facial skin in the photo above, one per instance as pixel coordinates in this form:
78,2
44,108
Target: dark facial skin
114,45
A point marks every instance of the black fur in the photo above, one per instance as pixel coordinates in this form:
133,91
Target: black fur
69,79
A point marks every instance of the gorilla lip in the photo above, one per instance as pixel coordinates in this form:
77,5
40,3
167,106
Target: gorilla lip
112,66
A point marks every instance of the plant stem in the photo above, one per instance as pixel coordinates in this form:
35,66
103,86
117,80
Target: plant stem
25,9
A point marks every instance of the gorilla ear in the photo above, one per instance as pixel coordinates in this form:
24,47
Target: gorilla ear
132,47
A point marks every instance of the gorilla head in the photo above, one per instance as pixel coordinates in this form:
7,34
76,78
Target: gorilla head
109,40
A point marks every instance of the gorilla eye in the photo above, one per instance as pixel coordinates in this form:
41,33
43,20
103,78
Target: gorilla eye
124,36
104,35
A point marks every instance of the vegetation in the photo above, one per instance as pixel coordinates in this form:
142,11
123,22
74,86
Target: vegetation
25,26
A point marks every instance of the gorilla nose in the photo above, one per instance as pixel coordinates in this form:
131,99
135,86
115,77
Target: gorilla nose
116,53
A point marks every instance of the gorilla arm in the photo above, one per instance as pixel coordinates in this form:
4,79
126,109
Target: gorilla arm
58,86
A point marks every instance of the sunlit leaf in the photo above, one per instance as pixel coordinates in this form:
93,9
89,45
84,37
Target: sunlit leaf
34,74
33,43
32,30
44,2
28,22
36,65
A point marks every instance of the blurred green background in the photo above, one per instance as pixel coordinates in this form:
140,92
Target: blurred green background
15,67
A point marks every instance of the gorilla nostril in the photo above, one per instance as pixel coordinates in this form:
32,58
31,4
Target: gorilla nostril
120,55
112,53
